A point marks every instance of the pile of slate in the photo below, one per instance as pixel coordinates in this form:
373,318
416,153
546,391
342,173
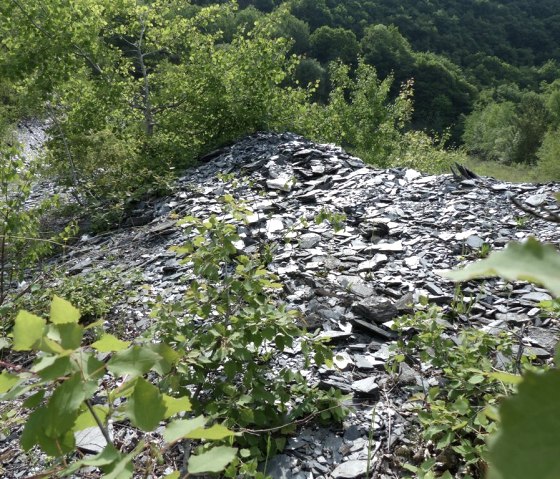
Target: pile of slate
400,227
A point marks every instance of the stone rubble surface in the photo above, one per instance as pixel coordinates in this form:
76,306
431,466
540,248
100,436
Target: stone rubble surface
400,228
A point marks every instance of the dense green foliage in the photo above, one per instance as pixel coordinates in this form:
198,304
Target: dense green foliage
132,91
121,116
458,414
456,52
74,372
524,444
520,32
135,90
24,240
208,358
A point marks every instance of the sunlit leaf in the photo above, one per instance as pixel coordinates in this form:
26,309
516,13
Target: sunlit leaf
7,381
63,406
214,460
214,433
134,361
63,312
176,405
52,367
86,419
529,261
167,357
109,343
179,429
28,331
527,444
70,335
507,378
145,407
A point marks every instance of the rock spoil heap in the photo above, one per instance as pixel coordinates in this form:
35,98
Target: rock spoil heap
400,227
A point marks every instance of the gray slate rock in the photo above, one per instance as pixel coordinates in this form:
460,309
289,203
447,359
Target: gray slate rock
350,470
279,467
375,309
366,387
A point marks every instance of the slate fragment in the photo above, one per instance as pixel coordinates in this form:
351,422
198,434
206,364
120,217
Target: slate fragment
376,309
373,329
350,470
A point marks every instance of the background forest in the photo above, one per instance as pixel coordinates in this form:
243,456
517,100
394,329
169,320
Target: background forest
485,72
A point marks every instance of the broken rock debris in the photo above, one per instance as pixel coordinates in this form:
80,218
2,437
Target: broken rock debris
400,227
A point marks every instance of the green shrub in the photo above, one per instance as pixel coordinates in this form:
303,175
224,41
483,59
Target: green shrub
422,152
228,329
22,241
360,114
459,413
73,373
93,293
548,165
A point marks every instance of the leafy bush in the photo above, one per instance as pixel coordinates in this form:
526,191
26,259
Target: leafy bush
228,329
424,153
458,414
93,293
491,132
74,373
142,89
211,359
524,445
360,114
548,154
22,243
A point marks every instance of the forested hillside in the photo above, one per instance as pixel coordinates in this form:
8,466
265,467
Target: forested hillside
496,60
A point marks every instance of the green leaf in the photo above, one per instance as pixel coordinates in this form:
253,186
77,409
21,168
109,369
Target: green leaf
214,433
28,331
461,405
134,361
34,400
109,343
145,407
179,429
507,378
173,475
476,379
91,367
63,312
106,457
168,357
70,335
214,460
529,261
527,444
445,440
63,406
176,405
7,381
123,468
410,467
33,427
86,419
34,434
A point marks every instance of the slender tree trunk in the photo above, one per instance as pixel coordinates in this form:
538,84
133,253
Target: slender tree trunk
146,101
